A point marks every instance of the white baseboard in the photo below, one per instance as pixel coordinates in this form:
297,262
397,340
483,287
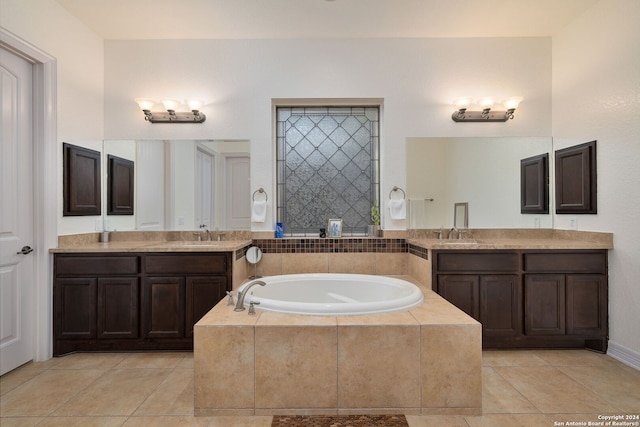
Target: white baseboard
624,354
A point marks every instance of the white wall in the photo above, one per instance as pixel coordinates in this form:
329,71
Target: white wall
596,96
80,72
417,78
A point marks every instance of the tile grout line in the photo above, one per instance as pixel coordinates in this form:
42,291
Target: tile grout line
514,387
132,414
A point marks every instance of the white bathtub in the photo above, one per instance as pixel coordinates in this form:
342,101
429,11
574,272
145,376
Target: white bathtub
328,294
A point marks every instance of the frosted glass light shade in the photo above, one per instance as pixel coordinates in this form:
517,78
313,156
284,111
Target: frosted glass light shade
170,104
195,104
145,103
487,103
513,102
462,103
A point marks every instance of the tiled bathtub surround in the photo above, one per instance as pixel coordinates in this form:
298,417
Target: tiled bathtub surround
347,255
423,361
345,245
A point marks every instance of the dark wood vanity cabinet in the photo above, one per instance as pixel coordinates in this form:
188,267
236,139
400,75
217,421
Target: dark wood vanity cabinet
529,299
134,302
485,285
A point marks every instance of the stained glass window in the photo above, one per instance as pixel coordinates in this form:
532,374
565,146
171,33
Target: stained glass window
327,167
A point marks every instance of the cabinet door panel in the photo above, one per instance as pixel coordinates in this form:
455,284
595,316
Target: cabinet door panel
186,264
75,313
544,297
478,261
79,265
576,262
202,294
118,307
164,302
586,301
461,290
500,311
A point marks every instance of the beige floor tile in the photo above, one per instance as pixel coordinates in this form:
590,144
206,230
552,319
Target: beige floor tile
259,421
82,422
167,421
617,385
47,391
499,397
509,420
13,379
551,391
117,392
186,362
151,360
435,420
511,358
90,361
173,397
573,357
20,421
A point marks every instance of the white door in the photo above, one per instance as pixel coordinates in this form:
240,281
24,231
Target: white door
205,195
238,193
16,213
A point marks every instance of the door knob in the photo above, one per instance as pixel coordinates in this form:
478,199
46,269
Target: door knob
25,250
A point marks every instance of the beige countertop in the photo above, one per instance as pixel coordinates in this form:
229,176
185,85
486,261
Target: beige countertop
154,246
524,243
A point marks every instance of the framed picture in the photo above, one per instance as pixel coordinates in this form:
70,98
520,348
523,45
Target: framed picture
335,228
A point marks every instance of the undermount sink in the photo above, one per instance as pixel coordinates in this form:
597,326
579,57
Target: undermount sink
459,242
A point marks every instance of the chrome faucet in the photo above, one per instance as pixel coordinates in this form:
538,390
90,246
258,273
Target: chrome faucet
242,293
453,230
206,232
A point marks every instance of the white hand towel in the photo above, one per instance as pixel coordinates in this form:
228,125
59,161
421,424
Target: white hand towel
398,209
259,211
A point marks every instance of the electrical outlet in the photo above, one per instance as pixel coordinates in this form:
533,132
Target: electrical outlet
180,220
573,223
536,222
98,224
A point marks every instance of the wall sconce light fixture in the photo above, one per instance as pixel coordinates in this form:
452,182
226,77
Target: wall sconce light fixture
486,112
170,115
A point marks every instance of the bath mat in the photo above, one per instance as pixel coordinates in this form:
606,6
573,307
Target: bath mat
339,421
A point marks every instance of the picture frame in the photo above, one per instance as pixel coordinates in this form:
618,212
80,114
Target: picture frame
334,228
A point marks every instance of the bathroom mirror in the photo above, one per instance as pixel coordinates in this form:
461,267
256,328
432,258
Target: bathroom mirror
254,255
185,184
461,215
483,172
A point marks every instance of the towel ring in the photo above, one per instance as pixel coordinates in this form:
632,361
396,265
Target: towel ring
260,190
404,195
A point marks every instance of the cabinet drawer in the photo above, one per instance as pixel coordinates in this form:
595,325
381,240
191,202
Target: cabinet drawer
571,262
186,264
477,261
96,265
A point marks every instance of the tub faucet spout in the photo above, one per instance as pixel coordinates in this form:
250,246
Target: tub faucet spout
242,293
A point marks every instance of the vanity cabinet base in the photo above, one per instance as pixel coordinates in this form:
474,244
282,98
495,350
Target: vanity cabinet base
529,298
134,302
